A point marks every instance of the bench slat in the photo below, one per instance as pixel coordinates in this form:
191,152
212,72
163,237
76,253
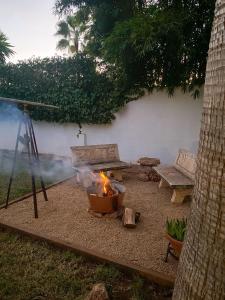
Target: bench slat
116,165
174,177
186,163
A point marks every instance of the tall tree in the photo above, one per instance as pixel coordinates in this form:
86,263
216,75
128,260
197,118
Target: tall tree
67,30
5,48
201,272
147,44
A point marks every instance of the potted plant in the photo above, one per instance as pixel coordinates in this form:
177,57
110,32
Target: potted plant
175,232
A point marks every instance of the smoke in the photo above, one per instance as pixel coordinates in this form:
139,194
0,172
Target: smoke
92,182
55,169
9,112
52,167
9,120
85,176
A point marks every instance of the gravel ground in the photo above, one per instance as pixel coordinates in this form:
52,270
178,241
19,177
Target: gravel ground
65,217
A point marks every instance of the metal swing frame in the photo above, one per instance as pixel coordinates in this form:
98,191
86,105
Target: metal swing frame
29,140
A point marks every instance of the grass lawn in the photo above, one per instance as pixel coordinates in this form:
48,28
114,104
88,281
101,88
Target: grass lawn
51,171
21,185
35,270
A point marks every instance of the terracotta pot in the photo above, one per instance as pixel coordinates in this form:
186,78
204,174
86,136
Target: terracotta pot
176,245
105,204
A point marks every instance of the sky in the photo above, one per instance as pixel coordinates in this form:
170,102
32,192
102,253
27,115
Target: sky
30,26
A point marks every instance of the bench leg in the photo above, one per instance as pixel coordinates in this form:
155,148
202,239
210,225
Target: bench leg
179,195
163,183
117,175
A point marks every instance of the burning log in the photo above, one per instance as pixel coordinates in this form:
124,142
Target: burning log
129,218
118,186
105,196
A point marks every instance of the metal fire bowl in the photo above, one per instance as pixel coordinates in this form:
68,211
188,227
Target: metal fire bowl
105,204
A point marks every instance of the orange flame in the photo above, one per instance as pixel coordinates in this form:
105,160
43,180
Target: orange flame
105,181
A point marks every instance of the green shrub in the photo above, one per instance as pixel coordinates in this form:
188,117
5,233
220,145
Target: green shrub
83,94
176,228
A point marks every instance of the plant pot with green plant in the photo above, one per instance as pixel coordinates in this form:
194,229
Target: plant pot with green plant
175,232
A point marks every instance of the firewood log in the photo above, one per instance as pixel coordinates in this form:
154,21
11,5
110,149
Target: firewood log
137,217
129,218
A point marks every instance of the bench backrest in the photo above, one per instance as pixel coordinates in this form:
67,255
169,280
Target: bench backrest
94,154
186,163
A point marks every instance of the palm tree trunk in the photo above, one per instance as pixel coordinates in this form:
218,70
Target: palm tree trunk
201,272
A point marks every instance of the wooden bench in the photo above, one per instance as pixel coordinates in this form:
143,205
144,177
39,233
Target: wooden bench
180,176
99,158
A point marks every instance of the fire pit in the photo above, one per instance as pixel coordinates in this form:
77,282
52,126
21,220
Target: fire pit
105,195
105,204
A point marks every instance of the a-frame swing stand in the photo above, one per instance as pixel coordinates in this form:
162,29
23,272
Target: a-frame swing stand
29,141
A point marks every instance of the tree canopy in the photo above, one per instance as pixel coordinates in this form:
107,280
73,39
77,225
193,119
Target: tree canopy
127,47
147,44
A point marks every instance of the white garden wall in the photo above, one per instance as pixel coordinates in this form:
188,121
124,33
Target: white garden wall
155,125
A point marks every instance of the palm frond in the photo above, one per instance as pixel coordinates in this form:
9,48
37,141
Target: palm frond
62,44
63,29
71,20
5,48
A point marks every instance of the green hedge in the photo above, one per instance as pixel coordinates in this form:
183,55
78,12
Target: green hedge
83,94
